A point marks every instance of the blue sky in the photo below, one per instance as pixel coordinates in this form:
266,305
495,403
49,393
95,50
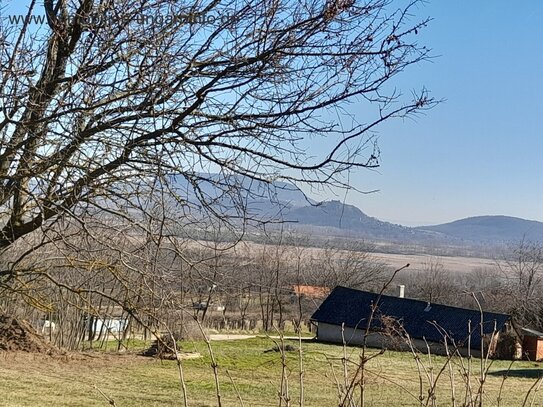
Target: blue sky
480,151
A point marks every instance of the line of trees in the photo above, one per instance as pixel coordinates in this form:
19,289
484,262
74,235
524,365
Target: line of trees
514,285
155,288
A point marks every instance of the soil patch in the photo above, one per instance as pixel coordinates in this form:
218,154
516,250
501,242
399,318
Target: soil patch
164,348
16,335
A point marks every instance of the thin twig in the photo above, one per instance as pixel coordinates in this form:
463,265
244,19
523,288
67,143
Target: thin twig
181,373
105,396
238,395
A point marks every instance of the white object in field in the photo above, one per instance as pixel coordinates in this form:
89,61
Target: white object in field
48,326
113,325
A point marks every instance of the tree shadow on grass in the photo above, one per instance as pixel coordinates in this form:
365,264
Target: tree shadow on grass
524,373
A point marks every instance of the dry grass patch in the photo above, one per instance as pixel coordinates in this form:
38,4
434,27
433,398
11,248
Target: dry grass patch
131,380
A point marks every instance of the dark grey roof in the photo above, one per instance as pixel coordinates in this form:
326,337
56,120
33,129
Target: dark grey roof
353,308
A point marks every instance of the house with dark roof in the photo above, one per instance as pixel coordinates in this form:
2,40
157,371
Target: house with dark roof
345,314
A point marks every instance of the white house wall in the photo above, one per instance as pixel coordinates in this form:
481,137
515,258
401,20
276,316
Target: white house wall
109,325
333,334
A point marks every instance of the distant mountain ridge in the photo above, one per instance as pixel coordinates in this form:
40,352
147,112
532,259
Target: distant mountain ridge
490,228
281,200
349,218
485,230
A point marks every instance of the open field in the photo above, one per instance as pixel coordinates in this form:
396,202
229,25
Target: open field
454,264
35,380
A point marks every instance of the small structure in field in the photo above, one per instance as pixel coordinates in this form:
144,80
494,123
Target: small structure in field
532,344
345,314
97,327
48,327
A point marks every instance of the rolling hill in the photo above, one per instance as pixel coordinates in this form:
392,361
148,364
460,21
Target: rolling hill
487,229
341,218
284,201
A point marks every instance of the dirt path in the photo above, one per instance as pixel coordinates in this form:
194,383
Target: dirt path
233,337
229,337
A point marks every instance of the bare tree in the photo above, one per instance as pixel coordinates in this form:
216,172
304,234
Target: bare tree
435,283
88,107
351,266
522,271
113,114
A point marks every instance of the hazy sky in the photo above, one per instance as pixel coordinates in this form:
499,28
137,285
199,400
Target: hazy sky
480,151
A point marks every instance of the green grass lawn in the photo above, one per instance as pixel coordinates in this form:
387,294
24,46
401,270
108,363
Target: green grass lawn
392,379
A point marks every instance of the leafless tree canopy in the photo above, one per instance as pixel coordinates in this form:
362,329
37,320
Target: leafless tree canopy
107,96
